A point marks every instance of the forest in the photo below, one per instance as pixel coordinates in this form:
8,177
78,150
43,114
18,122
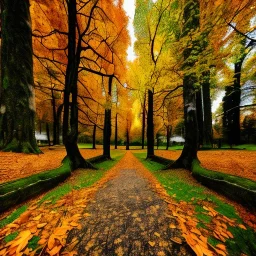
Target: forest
80,122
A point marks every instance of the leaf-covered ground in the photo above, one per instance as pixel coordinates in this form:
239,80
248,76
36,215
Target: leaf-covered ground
121,214
236,162
17,165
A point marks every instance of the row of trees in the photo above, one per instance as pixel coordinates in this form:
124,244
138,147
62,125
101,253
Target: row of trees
193,45
73,56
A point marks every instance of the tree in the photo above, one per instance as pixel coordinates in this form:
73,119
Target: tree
17,93
90,48
190,54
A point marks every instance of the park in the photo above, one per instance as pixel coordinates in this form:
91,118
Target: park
128,127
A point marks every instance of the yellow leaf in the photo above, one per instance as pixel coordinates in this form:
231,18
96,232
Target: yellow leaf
172,226
54,250
118,241
176,240
38,217
12,225
196,231
41,225
151,243
74,224
157,234
3,252
242,226
24,217
51,242
60,231
119,251
42,241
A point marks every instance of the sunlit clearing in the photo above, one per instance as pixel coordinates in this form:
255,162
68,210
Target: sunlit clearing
136,108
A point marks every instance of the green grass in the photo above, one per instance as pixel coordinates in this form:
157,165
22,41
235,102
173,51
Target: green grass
84,179
197,169
85,145
11,237
176,147
13,216
180,189
246,146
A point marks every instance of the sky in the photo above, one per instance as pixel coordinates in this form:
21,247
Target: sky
129,7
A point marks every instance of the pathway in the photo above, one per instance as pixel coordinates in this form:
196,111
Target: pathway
128,218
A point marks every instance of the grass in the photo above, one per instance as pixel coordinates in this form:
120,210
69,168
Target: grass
85,145
13,216
84,179
197,169
181,189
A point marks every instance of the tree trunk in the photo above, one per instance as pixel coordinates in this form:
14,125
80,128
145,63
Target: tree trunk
107,123
150,126
207,110
200,116
236,98
54,118
168,135
48,134
116,134
94,137
70,133
143,122
58,123
189,152
17,92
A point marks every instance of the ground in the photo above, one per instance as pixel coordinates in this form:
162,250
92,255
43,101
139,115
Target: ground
128,210
16,165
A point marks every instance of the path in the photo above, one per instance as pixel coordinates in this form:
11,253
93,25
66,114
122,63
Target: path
128,218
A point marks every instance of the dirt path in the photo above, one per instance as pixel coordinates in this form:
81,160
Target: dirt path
128,218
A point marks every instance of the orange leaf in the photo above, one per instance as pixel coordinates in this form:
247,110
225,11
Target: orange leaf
176,240
221,246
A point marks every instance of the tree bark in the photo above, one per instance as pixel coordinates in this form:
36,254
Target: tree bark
207,110
94,137
189,152
48,133
168,135
107,123
70,133
150,126
58,124
200,116
116,134
236,99
143,122
54,118
17,130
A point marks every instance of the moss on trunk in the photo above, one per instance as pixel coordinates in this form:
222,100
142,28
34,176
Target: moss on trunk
17,93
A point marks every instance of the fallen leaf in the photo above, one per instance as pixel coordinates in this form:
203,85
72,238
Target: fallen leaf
176,240
221,246
38,217
157,234
118,241
151,243
41,225
242,226
172,226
